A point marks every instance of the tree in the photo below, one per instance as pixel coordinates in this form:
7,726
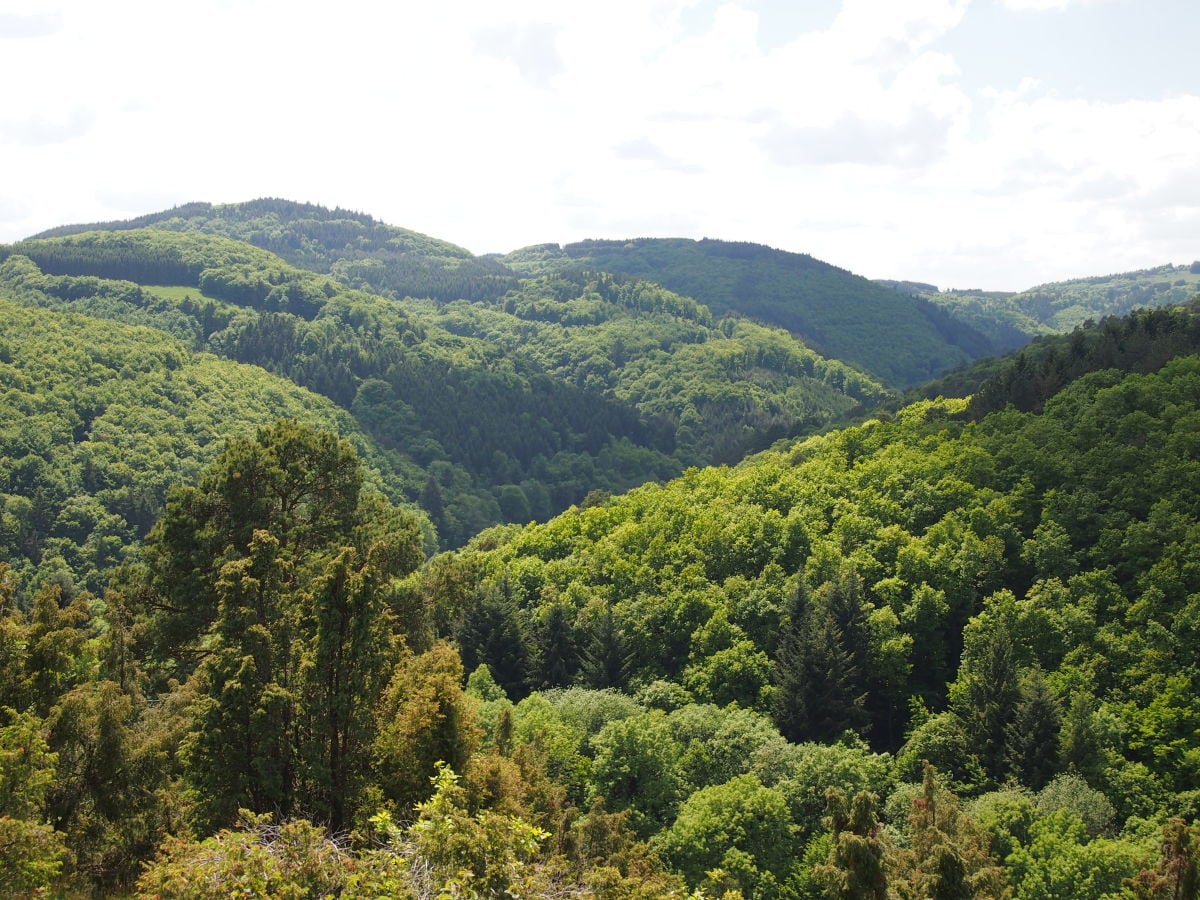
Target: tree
345,664
33,852
556,659
300,640
423,718
262,858
637,767
291,481
242,750
739,826
986,695
855,868
1177,873
948,856
817,682
605,661
454,853
1032,738
491,635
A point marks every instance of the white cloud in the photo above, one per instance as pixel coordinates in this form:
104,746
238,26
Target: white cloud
29,25
1048,5
498,125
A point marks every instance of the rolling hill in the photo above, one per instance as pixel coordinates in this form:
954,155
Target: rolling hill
900,339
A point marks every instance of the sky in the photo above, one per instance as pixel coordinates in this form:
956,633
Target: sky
994,144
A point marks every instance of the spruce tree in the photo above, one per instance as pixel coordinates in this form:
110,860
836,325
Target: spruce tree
557,658
985,698
818,694
605,661
1032,738
491,634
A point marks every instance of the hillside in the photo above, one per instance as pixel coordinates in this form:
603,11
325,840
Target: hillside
102,419
1010,320
948,651
839,315
353,247
494,413
966,643
979,595
1139,342
899,338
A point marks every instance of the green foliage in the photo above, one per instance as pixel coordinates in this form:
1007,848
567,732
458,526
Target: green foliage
485,855
1141,342
803,773
33,852
1060,861
854,869
1063,305
637,768
513,406
294,860
253,573
946,855
101,420
1176,874
900,338
423,719
1010,595
740,827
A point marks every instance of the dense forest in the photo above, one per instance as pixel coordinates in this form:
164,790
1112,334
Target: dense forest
946,651
899,338
484,413
1010,320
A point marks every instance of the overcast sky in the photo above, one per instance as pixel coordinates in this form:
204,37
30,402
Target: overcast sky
967,143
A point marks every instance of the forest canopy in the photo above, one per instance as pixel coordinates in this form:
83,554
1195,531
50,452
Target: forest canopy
944,648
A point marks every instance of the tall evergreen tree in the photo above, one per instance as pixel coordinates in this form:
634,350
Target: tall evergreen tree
556,657
605,661
1032,737
491,634
985,698
818,695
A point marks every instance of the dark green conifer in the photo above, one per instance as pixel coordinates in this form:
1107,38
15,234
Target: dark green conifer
1032,738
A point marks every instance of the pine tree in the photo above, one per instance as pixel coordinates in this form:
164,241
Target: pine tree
1032,738
818,696
605,661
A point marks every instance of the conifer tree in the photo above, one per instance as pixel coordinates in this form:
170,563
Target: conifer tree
855,868
947,857
605,661
1177,875
556,659
1032,738
818,695
490,634
985,698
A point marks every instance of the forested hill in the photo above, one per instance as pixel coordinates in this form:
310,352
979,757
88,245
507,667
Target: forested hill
487,413
936,654
1012,599
101,419
1139,342
353,247
900,338
1010,320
